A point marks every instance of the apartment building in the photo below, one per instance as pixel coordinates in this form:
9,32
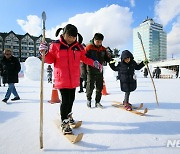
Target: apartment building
23,46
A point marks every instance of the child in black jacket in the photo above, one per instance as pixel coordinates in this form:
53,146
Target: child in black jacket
126,71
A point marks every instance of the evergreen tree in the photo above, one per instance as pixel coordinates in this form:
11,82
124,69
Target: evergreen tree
116,53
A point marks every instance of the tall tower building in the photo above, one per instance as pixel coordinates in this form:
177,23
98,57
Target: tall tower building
154,41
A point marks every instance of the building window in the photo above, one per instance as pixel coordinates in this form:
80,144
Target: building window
16,42
7,46
31,43
31,54
31,48
24,48
8,41
15,47
24,43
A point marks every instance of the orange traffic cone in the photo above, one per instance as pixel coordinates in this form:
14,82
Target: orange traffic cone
104,91
54,97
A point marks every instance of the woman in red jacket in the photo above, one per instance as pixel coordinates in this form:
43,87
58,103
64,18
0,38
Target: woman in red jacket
66,55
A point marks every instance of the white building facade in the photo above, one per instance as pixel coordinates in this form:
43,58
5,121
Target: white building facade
154,40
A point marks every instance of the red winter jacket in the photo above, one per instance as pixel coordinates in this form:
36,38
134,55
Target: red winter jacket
66,61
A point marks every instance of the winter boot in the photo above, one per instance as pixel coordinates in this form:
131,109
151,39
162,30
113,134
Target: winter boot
81,91
16,98
126,103
71,120
5,100
99,105
89,104
127,106
66,127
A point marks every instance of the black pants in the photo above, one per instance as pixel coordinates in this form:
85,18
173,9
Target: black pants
94,81
81,84
126,97
157,76
68,97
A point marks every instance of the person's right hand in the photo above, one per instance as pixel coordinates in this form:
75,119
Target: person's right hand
43,47
112,61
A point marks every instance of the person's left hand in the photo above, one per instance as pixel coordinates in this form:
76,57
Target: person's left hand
146,61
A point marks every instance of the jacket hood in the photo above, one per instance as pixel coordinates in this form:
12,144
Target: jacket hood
92,42
126,54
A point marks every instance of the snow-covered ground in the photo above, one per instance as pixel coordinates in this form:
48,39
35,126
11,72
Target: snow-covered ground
108,130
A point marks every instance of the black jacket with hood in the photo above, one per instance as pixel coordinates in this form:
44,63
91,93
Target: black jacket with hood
126,71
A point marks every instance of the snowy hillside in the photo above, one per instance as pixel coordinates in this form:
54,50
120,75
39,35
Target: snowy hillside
109,130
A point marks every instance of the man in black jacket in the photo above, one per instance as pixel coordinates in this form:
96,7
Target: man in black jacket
10,67
157,72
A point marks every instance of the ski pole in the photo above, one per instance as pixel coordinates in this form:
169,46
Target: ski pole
41,83
139,36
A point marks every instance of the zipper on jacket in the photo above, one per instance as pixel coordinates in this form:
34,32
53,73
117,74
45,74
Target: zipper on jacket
74,54
69,68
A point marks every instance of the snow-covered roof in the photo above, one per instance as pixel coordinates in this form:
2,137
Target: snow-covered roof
171,62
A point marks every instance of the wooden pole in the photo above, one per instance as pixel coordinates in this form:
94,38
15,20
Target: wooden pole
41,83
139,36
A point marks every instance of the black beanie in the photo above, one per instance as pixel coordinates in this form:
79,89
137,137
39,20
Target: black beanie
98,36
